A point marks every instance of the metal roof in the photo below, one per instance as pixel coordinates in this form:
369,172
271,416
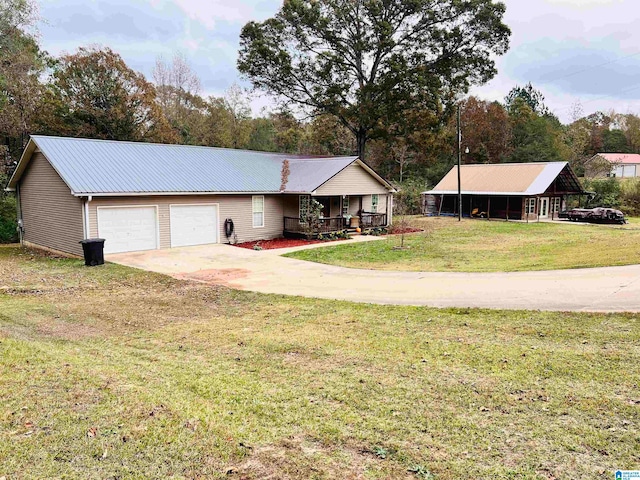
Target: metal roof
503,178
113,167
624,158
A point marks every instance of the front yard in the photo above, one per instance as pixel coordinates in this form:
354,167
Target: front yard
110,372
495,246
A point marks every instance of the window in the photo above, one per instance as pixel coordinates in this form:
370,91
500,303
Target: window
345,206
374,203
258,211
530,206
557,202
303,204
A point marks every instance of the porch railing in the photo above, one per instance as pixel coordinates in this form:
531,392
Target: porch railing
370,219
325,225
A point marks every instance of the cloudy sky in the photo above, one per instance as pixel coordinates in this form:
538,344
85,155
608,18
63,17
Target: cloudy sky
585,51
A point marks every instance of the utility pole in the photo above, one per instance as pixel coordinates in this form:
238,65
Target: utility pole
459,164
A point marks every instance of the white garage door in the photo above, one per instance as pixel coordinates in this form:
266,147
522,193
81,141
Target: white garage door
193,225
128,229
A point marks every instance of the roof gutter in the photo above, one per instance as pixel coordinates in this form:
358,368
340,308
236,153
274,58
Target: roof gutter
157,194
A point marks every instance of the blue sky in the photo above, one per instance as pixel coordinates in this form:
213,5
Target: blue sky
558,45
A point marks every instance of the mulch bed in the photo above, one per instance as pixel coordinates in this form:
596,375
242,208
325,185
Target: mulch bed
278,243
398,231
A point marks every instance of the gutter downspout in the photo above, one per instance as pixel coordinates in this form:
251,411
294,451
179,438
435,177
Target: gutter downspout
87,230
19,213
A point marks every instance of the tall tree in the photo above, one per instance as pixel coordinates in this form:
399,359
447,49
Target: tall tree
262,136
576,137
178,88
325,135
217,128
21,65
630,125
235,100
536,138
529,95
365,60
486,131
95,94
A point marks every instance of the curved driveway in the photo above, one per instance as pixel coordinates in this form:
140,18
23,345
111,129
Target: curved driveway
611,289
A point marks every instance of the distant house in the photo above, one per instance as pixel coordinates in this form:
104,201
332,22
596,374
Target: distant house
143,196
619,165
512,191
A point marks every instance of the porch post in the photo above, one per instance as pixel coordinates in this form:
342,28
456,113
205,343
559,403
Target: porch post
507,208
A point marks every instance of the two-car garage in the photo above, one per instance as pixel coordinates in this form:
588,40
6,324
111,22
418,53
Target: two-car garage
130,228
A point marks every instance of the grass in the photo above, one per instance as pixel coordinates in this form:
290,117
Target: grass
110,372
482,246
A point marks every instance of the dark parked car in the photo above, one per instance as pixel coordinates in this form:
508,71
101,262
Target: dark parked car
594,215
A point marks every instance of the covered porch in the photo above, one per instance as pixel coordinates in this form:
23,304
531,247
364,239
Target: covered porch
339,212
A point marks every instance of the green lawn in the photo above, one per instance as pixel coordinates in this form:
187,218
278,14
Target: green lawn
109,372
483,246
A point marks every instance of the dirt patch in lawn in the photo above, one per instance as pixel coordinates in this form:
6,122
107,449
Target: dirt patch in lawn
300,457
67,330
277,243
223,276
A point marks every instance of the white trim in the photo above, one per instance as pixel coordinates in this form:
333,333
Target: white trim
300,217
217,205
542,201
348,205
529,203
253,222
131,206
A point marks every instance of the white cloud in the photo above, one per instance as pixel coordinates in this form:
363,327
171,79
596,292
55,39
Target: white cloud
208,12
573,51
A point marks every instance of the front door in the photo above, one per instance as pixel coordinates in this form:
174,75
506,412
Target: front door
544,207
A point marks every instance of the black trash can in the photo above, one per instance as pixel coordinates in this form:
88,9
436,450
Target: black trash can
93,249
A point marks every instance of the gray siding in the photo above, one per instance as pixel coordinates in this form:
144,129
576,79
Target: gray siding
353,180
236,207
52,217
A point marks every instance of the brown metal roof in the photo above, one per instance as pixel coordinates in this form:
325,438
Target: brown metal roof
509,179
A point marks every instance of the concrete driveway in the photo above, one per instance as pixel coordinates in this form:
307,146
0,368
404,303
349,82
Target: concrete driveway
611,289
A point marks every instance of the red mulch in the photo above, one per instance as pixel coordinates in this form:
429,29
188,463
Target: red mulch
397,231
278,243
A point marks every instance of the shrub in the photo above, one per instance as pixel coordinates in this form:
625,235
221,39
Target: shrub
607,192
8,225
630,196
409,196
